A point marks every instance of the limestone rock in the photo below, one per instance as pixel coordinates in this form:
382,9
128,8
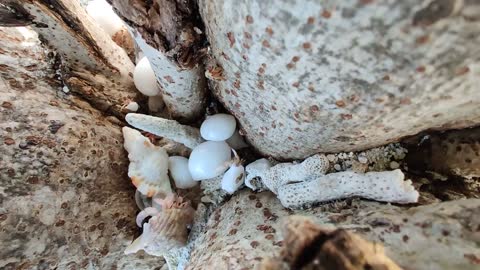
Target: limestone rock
325,76
66,201
246,230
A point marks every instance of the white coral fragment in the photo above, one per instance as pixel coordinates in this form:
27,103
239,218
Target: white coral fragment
255,171
300,184
285,173
170,129
387,186
148,168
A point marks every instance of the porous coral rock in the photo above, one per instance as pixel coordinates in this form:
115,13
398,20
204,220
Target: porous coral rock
171,129
301,184
284,173
388,186
148,168
212,191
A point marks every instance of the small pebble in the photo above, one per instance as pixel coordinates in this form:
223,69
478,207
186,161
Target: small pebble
394,165
331,157
363,160
65,89
337,167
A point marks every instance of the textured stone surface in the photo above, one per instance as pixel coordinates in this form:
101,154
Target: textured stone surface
66,202
246,229
329,76
90,62
170,35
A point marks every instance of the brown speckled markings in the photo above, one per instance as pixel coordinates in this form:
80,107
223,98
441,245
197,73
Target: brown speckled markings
349,74
92,65
431,237
65,199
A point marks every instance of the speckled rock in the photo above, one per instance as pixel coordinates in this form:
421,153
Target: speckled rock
246,229
454,152
330,76
65,199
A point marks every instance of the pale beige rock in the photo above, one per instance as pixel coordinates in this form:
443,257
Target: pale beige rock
90,63
309,76
246,230
66,201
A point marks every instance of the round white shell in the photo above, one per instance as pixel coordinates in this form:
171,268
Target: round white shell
218,127
178,167
209,159
144,78
104,15
132,106
233,178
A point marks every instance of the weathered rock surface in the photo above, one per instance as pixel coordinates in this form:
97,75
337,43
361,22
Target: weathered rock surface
246,229
91,64
324,76
66,201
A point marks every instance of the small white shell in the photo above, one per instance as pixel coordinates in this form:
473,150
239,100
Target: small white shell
218,127
209,159
178,167
155,103
144,78
233,178
237,141
105,17
132,106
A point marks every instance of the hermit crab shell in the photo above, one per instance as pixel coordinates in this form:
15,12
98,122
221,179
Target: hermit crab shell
233,178
148,167
178,167
167,229
218,127
144,78
209,159
104,15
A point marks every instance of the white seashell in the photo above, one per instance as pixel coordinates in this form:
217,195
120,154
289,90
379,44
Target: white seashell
105,17
148,168
209,159
218,127
237,141
155,103
233,178
132,106
178,167
144,78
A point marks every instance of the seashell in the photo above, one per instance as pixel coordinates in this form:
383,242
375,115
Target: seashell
167,229
233,178
218,127
178,167
144,78
209,159
132,106
236,141
148,168
104,16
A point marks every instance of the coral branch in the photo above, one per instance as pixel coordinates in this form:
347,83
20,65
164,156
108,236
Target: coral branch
388,186
170,129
